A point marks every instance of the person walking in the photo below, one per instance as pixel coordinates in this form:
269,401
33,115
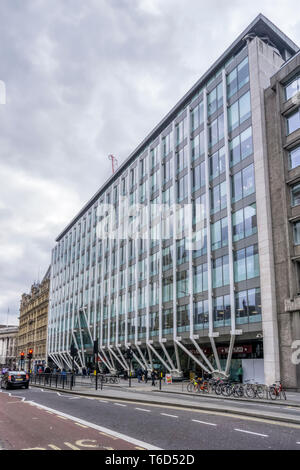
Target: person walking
145,375
240,374
153,377
139,374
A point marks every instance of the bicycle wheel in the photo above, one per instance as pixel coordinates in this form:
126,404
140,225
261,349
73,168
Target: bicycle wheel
238,391
272,393
190,387
260,391
249,391
218,389
282,393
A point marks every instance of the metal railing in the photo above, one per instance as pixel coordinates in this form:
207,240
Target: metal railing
67,381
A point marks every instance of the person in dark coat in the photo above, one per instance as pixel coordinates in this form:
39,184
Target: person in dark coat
146,375
153,376
139,375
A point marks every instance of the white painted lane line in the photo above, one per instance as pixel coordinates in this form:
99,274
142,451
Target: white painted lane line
103,401
142,409
119,404
171,416
203,422
75,398
250,432
109,432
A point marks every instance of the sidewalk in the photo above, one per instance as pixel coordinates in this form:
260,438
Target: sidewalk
172,395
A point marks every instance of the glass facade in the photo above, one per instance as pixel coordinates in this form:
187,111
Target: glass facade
154,281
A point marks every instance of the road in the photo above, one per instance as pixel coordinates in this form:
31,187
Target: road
129,425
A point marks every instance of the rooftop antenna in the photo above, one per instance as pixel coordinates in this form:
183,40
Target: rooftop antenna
114,162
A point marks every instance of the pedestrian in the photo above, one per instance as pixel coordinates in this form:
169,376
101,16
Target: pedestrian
145,375
153,376
139,374
240,374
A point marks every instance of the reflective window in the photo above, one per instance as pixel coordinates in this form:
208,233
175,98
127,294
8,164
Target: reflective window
292,88
293,121
200,314
238,78
215,99
246,263
248,306
198,176
221,272
219,234
297,233
216,131
197,116
217,163
200,279
218,197
243,183
295,192
221,312
197,146
244,222
241,146
294,158
239,111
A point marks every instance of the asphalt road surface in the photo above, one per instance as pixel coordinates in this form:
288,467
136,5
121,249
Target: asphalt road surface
74,422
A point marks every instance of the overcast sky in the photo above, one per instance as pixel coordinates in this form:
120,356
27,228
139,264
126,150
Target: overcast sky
85,79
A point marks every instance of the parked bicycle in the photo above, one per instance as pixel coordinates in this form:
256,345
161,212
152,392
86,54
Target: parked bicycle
276,391
198,385
254,390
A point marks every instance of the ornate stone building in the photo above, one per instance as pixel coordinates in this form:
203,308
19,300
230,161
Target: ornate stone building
8,346
33,322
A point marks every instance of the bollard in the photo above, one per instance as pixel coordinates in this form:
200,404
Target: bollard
160,377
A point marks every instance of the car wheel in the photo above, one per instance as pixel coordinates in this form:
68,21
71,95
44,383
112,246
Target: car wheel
25,386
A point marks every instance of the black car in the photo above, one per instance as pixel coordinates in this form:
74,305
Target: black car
14,379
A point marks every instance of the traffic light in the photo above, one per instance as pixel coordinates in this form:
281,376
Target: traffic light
29,355
22,356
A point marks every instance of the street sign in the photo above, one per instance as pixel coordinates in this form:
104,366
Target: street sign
168,378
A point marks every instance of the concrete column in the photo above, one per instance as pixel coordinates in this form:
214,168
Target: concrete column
263,63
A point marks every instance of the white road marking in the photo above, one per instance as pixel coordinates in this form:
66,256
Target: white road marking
109,432
74,398
203,422
250,432
119,404
142,409
171,416
71,446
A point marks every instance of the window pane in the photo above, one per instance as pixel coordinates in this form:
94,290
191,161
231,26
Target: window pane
233,116
238,225
243,73
232,83
296,195
292,89
235,150
250,220
246,143
293,122
237,187
294,158
248,180
245,107
297,233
